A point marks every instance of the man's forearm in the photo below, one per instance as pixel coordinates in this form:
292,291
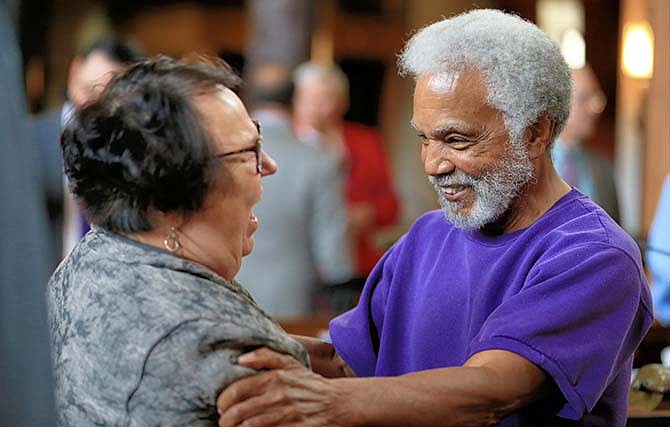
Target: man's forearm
462,396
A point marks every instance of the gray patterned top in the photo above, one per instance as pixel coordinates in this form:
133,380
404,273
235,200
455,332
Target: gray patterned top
141,337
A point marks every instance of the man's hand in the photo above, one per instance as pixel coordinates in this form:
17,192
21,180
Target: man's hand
323,357
287,394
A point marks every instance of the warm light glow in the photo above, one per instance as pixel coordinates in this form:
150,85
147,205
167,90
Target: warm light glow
638,50
573,48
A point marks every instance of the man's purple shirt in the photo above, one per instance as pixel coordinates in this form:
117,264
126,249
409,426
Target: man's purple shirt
567,293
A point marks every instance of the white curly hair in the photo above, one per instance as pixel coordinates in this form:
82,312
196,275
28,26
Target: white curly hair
524,70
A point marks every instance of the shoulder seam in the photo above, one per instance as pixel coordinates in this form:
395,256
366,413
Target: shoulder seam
640,273
150,350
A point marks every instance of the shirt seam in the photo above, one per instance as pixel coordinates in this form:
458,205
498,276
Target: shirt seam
148,353
610,245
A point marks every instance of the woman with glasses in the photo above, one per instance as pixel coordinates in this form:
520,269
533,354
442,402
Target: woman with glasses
146,318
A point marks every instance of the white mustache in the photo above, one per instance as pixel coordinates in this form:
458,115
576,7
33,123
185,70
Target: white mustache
457,178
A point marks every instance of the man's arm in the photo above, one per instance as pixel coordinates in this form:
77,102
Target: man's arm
489,386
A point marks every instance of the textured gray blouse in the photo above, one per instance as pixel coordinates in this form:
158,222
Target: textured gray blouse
141,337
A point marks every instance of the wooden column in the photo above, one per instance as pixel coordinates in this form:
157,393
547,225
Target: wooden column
657,126
280,32
602,49
527,9
629,148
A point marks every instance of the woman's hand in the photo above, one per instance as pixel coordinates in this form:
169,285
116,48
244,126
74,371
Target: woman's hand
287,394
323,357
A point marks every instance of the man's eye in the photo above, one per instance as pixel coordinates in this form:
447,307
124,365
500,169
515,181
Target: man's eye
455,140
423,139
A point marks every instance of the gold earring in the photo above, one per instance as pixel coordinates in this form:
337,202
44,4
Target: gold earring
171,242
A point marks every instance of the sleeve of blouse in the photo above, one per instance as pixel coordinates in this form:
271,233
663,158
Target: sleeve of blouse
580,317
184,373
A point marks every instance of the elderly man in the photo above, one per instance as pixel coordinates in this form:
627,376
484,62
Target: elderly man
521,303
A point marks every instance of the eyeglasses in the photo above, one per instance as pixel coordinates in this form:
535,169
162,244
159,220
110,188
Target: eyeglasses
256,148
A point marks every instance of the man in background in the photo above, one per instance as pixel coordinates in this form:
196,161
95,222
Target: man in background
302,244
89,72
658,255
579,167
320,102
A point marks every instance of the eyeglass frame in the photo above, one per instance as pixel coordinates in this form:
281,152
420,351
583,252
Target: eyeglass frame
257,149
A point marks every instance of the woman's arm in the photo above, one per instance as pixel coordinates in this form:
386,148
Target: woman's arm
184,372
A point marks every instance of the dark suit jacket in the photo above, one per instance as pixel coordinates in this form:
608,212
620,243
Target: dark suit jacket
45,135
26,394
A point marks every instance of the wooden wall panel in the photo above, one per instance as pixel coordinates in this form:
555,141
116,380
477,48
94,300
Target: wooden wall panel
601,53
657,148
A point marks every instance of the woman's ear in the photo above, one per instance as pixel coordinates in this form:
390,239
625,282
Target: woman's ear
539,136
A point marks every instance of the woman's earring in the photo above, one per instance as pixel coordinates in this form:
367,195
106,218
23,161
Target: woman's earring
171,243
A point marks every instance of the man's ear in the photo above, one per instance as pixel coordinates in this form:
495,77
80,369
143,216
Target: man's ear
539,136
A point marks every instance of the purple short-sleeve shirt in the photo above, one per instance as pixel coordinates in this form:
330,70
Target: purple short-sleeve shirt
567,293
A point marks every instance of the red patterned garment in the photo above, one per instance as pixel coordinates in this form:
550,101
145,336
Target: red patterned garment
368,180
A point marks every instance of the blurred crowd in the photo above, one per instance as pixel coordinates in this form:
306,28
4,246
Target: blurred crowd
321,211
333,191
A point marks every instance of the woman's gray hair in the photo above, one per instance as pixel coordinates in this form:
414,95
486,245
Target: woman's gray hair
525,72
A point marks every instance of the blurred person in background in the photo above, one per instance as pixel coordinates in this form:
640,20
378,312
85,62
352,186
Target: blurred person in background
26,386
89,72
587,171
658,256
320,102
146,316
521,303
303,244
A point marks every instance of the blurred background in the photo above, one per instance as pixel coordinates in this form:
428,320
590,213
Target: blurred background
626,43
364,37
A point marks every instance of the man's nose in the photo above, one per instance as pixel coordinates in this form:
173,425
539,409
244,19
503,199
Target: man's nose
435,159
269,165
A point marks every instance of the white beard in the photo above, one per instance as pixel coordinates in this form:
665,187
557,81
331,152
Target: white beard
494,191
